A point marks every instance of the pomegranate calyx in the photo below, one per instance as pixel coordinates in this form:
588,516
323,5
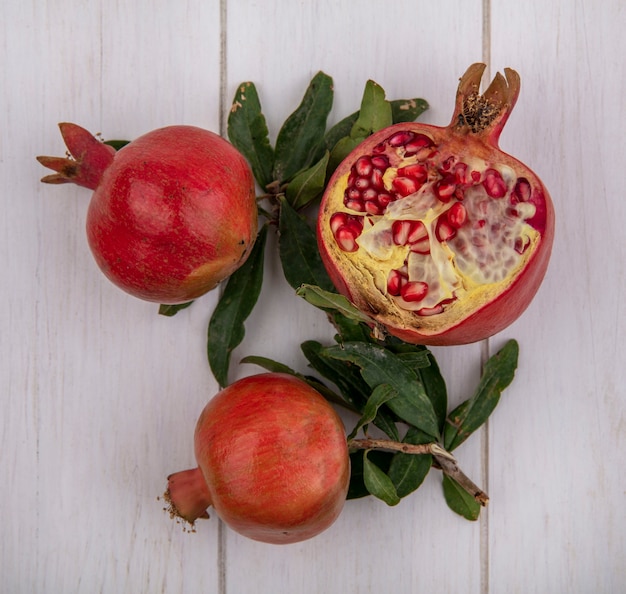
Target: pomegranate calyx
89,159
486,113
187,495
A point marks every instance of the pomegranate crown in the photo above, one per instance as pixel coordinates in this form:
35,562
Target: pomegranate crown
485,114
89,159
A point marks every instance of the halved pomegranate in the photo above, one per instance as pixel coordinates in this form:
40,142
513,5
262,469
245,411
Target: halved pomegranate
434,232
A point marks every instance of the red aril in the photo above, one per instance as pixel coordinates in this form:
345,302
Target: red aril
173,213
457,241
272,460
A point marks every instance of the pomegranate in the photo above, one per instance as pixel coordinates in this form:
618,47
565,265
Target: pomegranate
172,214
437,234
272,460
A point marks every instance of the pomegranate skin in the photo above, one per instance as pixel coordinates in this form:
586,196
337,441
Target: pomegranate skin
274,455
173,213
472,311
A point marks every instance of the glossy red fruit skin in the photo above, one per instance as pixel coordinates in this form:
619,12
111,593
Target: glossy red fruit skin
173,215
484,319
274,455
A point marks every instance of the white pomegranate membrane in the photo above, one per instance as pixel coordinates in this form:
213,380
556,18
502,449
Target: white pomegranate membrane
429,227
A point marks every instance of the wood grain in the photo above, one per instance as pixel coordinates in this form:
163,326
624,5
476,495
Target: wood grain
100,394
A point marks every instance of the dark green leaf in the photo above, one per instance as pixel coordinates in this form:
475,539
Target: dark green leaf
408,471
226,328
172,310
247,131
350,330
378,483
343,374
301,135
339,130
435,387
308,185
277,367
341,150
459,500
299,256
357,488
375,112
330,300
379,396
407,110
380,366
497,374
117,144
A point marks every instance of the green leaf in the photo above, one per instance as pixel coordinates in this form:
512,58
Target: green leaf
340,151
407,110
226,327
378,483
172,310
247,131
302,133
435,387
299,256
117,144
340,130
379,396
497,374
459,500
349,329
308,185
328,300
357,488
375,112
277,367
408,471
380,366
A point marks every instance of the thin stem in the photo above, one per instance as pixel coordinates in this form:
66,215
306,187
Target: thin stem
445,460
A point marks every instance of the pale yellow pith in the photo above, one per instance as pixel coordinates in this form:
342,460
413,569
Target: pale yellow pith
468,282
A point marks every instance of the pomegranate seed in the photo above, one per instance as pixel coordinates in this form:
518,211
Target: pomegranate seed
447,164
460,173
339,219
400,138
521,244
372,207
380,162
377,179
346,239
417,232
395,282
379,148
420,247
351,178
521,192
444,231
416,170
417,145
352,194
363,166
362,183
494,185
475,175
400,231
430,311
445,187
414,291
370,194
405,186
384,199
355,204
457,215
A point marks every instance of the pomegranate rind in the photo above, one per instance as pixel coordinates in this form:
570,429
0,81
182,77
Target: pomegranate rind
473,308
275,458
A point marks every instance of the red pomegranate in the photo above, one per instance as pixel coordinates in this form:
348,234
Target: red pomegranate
434,232
272,460
173,213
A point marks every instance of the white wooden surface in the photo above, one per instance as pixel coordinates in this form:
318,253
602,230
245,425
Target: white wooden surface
99,395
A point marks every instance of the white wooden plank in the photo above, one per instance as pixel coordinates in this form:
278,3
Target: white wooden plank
558,447
371,545
101,394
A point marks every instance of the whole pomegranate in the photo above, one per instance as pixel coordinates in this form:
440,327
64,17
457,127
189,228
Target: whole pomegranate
172,214
272,460
434,232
